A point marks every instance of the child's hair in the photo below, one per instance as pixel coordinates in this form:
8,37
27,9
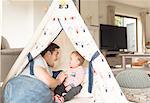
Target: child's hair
80,58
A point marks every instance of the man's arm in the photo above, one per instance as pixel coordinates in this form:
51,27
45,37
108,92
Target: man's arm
43,75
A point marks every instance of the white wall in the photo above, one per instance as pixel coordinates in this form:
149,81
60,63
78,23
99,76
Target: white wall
0,35
39,10
148,28
121,9
90,14
103,11
20,20
0,18
17,24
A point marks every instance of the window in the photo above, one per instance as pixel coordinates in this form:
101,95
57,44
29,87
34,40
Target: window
131,24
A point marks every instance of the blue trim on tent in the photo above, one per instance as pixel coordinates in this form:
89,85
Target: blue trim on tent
90,84
31,63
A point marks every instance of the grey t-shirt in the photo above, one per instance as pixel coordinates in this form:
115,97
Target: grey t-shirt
38,61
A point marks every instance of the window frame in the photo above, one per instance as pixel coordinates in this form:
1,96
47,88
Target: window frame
136,27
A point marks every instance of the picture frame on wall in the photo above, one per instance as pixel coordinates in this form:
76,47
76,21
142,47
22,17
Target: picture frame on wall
77,4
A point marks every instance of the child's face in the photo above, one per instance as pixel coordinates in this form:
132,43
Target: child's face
74,61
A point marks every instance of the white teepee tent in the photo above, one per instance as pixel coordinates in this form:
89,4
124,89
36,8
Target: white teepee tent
63,15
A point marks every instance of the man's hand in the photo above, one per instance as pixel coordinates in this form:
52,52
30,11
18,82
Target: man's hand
61,77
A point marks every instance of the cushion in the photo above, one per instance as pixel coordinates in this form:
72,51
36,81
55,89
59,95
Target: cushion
4,43
133,78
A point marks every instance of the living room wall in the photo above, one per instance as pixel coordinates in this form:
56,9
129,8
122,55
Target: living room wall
39,10
17,23
90,14
0,17
0,21
148,28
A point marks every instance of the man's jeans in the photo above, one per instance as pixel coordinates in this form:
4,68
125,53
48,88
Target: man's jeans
23,89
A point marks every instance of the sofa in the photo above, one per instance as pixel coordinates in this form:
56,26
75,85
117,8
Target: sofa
8,57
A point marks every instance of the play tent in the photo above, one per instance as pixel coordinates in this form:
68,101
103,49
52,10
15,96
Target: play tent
63,15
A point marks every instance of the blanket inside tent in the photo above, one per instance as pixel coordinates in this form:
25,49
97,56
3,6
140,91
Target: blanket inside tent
63,15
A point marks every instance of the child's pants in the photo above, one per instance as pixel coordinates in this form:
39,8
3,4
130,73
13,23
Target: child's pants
24,89
70,94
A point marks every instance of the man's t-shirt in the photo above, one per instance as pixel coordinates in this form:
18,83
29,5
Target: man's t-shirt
38,61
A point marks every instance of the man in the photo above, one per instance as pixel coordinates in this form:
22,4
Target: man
32,85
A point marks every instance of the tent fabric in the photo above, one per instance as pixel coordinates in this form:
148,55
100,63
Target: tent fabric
65,16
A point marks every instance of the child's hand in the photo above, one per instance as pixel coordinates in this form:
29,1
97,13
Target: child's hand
65,83
68,88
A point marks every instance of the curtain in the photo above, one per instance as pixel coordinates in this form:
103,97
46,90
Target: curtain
143,21
111,14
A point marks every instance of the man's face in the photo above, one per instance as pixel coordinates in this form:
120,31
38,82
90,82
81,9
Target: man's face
52,57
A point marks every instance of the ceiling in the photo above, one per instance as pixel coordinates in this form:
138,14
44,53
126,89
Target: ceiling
138,3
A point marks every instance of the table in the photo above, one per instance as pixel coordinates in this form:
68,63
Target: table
124,56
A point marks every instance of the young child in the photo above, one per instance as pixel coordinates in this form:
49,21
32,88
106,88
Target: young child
72,84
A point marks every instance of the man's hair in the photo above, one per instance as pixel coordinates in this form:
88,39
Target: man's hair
80,58
50,48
